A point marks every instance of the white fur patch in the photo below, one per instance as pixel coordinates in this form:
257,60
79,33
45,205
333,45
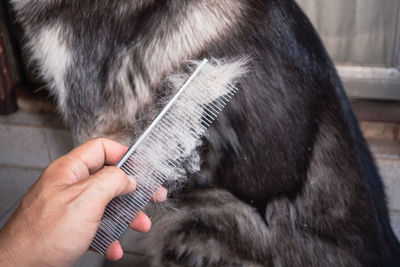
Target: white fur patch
203,24
51,53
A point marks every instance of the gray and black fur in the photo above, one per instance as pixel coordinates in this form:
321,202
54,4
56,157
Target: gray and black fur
286,180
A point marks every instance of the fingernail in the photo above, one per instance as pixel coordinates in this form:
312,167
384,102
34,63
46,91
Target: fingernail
133,182
160,195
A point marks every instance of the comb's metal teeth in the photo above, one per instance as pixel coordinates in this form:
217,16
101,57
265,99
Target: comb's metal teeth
210,102
170,161
216,100
133,199
187,101
120,206
225,97
109,216
184,122
200,113
135,173
103,240
180,123
141,201
231,86
201,120
137,196
130,170
156,142
221,103
144,193
122,216
192,130
215,106
174,151
113,232
127,221
130,163
221,100
126,209
208,113
173,148
145,149
105,226
108,235
159,177
101,245
230,94
150,152
202,117
198,133
125,214
96,247
210,109
131,211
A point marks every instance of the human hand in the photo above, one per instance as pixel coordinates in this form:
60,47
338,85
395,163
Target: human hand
58,217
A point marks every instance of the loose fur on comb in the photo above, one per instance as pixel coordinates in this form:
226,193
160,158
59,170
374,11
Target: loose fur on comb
217,74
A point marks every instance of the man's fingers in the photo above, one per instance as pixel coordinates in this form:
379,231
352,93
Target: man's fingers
97,152
160,195
85,159
114,251
141,223
110,182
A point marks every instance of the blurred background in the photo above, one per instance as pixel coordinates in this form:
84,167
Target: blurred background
361,36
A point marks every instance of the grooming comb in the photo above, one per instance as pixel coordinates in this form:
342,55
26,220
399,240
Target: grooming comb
162,146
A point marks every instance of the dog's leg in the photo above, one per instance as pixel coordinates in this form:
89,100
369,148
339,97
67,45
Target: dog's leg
213,228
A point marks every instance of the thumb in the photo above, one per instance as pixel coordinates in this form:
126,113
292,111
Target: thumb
110,182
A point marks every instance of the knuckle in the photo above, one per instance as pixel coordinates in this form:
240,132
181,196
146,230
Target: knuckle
64,166
65,161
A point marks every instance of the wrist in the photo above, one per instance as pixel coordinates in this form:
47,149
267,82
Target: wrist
7,257
13,251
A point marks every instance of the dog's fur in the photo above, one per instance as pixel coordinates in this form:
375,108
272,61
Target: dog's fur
286,180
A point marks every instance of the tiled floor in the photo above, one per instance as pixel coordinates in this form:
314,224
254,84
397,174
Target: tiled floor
30,141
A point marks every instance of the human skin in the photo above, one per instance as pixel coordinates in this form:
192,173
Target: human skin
58,217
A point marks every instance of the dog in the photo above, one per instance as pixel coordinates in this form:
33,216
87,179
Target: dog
286,178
